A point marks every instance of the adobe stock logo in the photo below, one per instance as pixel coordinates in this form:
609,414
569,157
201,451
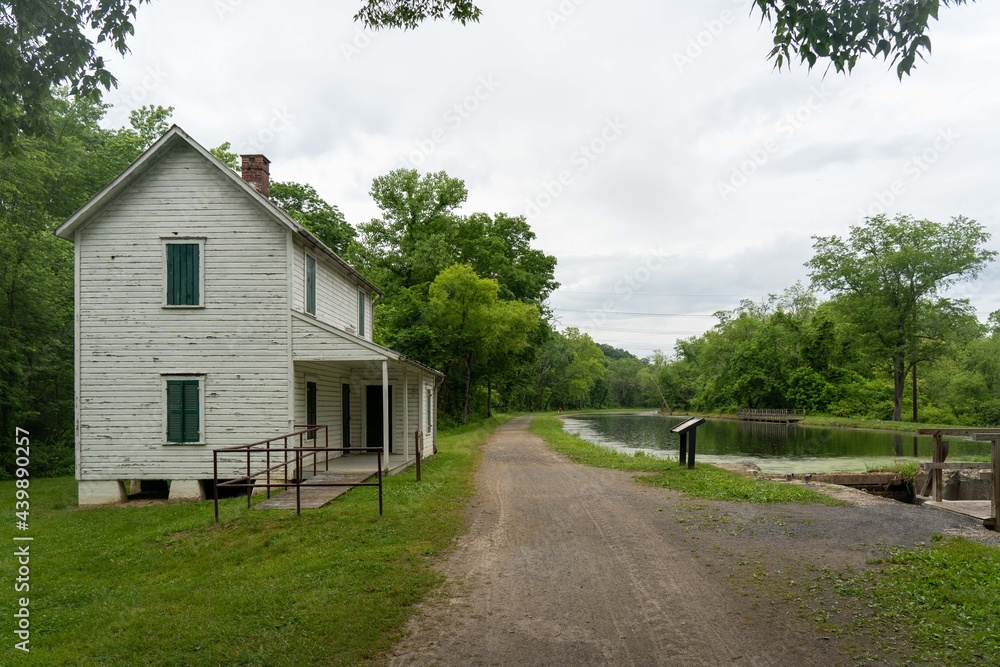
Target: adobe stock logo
913,170
454,117
588,153
756,157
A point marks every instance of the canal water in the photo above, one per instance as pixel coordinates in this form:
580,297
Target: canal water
775,448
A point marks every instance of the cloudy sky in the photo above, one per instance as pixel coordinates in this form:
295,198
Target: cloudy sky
651,144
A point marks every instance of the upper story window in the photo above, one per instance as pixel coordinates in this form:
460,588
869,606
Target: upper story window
310,284
430,410
362,301
184,274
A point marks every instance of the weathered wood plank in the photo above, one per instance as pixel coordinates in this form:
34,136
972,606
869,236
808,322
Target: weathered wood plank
957,465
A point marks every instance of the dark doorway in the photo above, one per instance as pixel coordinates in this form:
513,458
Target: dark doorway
345,415
311,395
373,418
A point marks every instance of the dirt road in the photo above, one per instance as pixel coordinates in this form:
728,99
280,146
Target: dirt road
566,564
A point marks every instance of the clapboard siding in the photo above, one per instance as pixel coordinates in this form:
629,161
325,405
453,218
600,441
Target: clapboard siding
238,341
312,342
336,294
329,380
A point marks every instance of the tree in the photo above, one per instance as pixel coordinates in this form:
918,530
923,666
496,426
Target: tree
150,123
841,31
43,180
586,369
499,246
476,329
837,31
48,43
408,14
324,220
410,244
886,277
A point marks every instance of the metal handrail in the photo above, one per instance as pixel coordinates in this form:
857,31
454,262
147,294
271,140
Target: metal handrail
249,480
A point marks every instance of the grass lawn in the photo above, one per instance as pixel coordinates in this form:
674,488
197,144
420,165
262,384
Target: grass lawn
945,598
163,585
705,481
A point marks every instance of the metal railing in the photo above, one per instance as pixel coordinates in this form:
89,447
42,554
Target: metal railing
286,456
768,415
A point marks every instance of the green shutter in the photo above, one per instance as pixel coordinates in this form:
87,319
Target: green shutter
183,411
175,411
192,432
183,277
361,314
310,285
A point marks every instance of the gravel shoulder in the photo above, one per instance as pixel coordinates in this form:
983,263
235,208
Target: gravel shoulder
565,564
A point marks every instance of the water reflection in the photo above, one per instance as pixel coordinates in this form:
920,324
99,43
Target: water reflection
776,448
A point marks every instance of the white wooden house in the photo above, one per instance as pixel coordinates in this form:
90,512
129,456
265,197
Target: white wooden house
206,317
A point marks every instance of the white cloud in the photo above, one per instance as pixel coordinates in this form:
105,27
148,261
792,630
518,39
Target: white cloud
362,102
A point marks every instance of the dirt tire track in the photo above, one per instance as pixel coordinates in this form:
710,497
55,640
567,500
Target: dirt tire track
566,564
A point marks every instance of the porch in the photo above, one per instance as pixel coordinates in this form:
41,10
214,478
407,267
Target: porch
369,395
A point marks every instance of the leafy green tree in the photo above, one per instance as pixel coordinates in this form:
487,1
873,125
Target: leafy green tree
420,234
42,181
47,43
841,31
410,244
149,123
475,328
408,14
809,391
224,153
887,275
324,220
835,31
499,247
584,372
628,380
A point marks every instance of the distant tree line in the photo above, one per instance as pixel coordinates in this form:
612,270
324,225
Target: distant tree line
857,354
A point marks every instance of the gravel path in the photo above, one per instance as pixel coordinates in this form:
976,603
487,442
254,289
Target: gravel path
566,564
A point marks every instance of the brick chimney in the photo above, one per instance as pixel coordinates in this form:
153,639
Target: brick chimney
256,171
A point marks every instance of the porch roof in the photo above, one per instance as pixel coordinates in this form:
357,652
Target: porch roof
313,340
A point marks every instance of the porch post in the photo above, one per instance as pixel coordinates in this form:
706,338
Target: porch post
385,413
406,413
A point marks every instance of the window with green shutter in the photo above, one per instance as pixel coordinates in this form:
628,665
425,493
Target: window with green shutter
183,411
310,285
361,314
183,274
430,410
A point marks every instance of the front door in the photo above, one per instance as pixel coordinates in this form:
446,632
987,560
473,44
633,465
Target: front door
373,417
345,415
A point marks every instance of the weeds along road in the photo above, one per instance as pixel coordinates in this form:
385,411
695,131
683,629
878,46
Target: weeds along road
566,564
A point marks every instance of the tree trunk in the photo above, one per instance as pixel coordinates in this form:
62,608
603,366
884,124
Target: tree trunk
662,397
914,392
898,386
468,391
489,397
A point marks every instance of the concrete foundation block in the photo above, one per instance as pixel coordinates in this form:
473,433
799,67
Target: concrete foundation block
186,489
103,492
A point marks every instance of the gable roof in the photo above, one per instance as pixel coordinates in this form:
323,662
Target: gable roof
176,136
